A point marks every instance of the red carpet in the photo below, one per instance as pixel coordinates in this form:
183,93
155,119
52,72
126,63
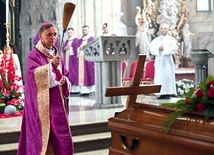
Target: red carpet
14,115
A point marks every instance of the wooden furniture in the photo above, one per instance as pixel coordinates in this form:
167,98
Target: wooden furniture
138,129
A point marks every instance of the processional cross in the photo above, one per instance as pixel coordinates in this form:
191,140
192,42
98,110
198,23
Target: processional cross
134,89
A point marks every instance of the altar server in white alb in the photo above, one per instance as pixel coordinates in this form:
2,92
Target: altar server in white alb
164,47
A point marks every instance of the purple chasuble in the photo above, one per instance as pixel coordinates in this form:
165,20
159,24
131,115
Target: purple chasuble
73,61
44,121
88,67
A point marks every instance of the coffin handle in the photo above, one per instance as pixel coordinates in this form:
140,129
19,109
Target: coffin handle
133,145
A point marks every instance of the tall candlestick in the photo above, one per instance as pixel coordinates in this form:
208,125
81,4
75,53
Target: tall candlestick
7,11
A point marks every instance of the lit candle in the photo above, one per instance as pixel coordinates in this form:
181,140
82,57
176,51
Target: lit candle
7,10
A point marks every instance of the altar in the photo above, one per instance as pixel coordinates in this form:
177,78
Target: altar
185,73
138,130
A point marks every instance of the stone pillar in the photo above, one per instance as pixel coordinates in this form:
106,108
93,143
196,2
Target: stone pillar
107,74
213,15
200,58
25,42
107,52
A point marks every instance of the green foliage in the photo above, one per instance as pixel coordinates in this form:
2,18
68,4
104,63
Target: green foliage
2,106
200,99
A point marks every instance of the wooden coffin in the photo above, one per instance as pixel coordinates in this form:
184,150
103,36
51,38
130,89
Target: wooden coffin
138,131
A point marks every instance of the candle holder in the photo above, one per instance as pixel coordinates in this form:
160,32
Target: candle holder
7,48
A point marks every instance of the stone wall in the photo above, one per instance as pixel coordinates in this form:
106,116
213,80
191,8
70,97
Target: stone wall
94,13
202,25
199,22
33,13
206,41
91,12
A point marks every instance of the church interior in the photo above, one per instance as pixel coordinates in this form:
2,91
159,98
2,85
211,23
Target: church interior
123,115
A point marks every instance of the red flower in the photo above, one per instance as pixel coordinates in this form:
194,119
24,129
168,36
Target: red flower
8,86
14,101
5,92
17,94
210,84
187,101
201,107
15,87
210,92
17,78
199,93
10,91
1,83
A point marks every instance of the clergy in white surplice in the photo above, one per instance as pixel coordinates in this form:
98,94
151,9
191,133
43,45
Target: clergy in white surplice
163,48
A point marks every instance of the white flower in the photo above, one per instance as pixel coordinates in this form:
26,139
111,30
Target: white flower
183,86
182,92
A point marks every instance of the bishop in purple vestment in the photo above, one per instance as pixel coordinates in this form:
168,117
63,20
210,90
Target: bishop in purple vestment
45,127
36,40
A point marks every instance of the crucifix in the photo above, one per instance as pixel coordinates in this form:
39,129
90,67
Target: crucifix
134,89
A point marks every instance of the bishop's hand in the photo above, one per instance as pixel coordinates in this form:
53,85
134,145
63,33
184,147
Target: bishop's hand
56,60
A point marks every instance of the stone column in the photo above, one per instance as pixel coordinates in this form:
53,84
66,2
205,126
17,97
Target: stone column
59,10
107,52
213,15
200,58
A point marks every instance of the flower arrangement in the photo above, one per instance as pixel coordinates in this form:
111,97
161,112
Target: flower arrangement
183,86
10,89
200,99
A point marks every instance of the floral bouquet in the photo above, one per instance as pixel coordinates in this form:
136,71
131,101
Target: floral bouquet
11,92
200,99
183,86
